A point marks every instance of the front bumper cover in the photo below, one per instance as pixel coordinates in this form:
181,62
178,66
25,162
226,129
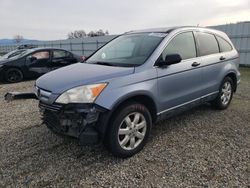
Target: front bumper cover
74,120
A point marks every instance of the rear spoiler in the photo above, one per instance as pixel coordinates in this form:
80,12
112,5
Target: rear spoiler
10,96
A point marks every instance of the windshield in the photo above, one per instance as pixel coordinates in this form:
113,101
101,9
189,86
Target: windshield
127,50
13,54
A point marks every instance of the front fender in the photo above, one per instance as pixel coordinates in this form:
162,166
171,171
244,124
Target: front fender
110,99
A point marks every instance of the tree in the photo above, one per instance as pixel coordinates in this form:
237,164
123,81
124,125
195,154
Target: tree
92,34
82,34
18,38
98,33
77,34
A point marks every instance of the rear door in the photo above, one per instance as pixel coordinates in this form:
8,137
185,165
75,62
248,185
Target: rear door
180,83
61,58
212,61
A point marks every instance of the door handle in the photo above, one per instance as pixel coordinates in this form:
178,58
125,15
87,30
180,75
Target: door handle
222,58
195,64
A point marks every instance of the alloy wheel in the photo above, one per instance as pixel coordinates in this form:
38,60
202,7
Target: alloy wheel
226,93
132,131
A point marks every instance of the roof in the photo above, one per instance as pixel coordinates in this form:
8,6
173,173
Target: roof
47,48
164,30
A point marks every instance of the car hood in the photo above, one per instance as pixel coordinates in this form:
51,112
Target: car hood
79,74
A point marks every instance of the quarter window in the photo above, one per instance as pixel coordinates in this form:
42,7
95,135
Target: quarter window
183,44
207,44
224,45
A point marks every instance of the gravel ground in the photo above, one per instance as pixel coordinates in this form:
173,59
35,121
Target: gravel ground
202,147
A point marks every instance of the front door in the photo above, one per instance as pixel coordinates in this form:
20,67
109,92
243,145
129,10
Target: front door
37,62
180,84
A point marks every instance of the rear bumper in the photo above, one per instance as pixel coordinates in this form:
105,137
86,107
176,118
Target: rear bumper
74,120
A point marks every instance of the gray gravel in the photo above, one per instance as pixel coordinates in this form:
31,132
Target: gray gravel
202,147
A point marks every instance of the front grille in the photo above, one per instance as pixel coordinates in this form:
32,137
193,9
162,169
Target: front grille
50,107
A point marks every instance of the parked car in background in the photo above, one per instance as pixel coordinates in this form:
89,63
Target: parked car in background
29,63
135,80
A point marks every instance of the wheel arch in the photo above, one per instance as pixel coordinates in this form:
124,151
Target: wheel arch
144,99
233,76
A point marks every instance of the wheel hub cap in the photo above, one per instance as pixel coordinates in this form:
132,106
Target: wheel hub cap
226,93
132,131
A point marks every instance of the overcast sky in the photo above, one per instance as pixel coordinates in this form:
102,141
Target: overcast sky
53,19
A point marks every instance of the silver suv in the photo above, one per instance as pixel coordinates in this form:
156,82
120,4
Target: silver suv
136,79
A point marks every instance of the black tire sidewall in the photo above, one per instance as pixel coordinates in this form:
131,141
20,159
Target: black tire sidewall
112,137
13,69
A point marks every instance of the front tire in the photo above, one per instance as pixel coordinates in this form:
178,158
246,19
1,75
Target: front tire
225,95
129,130
13,75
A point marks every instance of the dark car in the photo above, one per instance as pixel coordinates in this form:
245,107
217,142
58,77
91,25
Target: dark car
30,63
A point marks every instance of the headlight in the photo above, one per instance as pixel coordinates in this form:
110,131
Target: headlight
81,94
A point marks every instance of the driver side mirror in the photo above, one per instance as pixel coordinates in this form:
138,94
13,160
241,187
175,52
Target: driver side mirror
171,59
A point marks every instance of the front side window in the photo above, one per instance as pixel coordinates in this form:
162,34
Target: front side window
61,54
224,45
207,44
40,55
183,44
127,50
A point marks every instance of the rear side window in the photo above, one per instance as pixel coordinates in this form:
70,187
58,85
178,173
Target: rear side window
224,45
183,44
207,44
61,54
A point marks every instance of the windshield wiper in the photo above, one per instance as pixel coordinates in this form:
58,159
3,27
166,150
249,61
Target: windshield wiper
105,63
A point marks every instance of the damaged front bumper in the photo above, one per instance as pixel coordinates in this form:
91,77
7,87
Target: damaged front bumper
74,120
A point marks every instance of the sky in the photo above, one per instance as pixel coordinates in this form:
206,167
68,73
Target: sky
54,19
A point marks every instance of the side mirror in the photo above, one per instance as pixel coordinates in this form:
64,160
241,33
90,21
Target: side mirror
170,59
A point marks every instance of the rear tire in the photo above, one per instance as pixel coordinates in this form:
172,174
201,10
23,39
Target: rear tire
13,75
129,130
225,95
